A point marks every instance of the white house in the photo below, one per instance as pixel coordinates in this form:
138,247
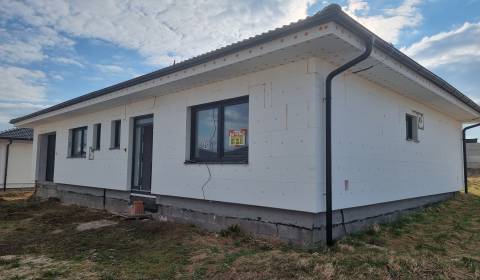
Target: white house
16,158
248,134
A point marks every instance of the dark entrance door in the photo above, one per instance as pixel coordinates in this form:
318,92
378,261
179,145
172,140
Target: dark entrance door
142,154
50,164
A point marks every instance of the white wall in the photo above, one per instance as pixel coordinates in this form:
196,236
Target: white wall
283,137
108,168
19,164
371,152
286,153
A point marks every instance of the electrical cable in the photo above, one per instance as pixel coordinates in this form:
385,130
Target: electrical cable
210,146
207,181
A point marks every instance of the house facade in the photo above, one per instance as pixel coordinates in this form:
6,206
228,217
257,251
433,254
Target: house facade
238,136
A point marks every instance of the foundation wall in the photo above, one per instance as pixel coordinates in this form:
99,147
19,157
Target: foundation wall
293,226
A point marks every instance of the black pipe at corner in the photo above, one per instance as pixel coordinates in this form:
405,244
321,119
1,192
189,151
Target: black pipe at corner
5,171
465,181
328,132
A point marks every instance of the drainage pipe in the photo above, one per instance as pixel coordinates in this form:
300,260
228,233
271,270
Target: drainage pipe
7,152
104,198
328,132
465,154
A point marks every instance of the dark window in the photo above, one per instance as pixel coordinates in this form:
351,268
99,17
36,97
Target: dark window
97,133
412,127
220,131
116,126
79,142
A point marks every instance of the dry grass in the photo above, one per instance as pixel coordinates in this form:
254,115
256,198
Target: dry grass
15,195
440,242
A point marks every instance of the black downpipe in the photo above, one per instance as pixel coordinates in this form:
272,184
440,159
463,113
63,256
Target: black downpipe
328,132
465,154
104,198
7,152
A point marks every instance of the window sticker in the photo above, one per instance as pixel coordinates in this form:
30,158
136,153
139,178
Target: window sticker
236,138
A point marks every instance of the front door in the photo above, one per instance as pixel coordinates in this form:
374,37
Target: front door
50,164
142,154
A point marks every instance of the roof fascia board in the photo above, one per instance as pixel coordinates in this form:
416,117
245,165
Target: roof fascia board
16,138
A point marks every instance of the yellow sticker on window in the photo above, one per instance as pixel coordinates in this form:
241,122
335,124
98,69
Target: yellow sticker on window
236,138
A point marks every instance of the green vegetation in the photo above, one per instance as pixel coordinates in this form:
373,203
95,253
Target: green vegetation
39,240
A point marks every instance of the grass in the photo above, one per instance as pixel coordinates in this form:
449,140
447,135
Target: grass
38,240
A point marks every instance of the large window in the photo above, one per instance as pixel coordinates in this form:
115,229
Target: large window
115,138
79,142
220,131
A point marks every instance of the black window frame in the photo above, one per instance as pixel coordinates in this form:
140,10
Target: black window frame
414,128
97,128
83,153
116,131
220,106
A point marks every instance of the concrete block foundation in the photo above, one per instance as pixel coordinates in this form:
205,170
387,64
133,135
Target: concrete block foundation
293,226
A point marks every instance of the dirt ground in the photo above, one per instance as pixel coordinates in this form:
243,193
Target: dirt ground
42,240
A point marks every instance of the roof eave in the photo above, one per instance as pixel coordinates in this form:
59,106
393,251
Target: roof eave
330,13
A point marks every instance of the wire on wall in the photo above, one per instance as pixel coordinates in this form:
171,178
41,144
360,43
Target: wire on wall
211,145
207,181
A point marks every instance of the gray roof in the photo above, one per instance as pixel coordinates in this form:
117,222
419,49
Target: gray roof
17,134
330,13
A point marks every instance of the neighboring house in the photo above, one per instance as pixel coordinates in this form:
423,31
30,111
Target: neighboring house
16,158
240,135
473,156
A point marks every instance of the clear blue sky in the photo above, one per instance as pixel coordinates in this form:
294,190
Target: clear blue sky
51,51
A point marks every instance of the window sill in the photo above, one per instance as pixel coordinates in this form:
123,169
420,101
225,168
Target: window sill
187,162
114,148
413,140
77,156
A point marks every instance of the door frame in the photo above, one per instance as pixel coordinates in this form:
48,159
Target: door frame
47,136
134,142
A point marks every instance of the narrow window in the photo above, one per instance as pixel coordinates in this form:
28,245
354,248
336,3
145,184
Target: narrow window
412,127
220,131
78,142
97,133
115,139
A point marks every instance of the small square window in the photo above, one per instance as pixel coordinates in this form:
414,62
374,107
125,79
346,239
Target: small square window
115,139
97,133
219,131
411,127
78,142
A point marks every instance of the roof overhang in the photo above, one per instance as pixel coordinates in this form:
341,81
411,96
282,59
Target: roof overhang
330,35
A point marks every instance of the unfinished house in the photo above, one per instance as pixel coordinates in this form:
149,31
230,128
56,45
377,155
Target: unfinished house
307,132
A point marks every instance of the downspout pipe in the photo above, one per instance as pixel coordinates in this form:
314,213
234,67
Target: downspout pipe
5,171
328,132
464,138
